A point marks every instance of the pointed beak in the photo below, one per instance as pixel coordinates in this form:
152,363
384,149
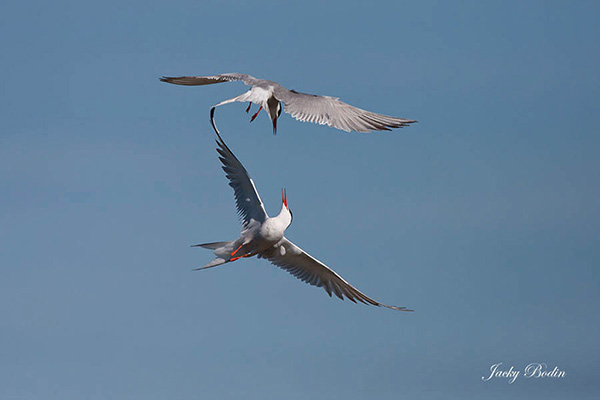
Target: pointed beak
275,126
284,197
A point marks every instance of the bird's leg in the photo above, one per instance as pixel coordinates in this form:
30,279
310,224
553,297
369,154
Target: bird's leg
255,115
238,257
236,250
249,105
242,256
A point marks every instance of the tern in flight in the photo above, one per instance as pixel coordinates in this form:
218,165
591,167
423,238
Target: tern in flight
263,236
323,110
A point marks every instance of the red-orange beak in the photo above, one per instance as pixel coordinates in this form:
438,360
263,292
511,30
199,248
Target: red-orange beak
284,198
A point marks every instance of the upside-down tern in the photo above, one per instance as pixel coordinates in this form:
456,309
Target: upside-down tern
323,110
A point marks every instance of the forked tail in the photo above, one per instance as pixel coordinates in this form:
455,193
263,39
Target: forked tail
221,249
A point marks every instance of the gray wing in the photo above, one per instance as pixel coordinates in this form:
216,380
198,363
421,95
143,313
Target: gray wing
312,271
325,110
247,200
208,80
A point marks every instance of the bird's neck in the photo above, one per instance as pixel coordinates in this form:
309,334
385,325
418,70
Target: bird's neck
284,217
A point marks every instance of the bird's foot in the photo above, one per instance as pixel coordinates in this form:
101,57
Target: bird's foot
238,257
255,115
243,256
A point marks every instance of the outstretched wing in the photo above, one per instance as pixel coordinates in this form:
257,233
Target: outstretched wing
249,205
303,266
325,110
208,80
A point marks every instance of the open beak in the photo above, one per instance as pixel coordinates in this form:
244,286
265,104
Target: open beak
284,197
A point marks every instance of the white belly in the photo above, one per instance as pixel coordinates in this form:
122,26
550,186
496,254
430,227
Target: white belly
271,231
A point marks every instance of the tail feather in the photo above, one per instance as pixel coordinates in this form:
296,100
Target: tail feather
221,249
213,245
217,261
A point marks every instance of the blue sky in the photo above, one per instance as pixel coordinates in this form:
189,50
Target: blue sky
483,217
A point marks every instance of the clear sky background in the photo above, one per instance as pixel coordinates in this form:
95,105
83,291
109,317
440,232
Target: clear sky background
483,217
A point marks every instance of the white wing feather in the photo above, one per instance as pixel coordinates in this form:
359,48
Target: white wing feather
308,269
325,110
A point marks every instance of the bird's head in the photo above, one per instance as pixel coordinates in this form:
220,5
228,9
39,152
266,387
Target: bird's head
274,109
286,213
